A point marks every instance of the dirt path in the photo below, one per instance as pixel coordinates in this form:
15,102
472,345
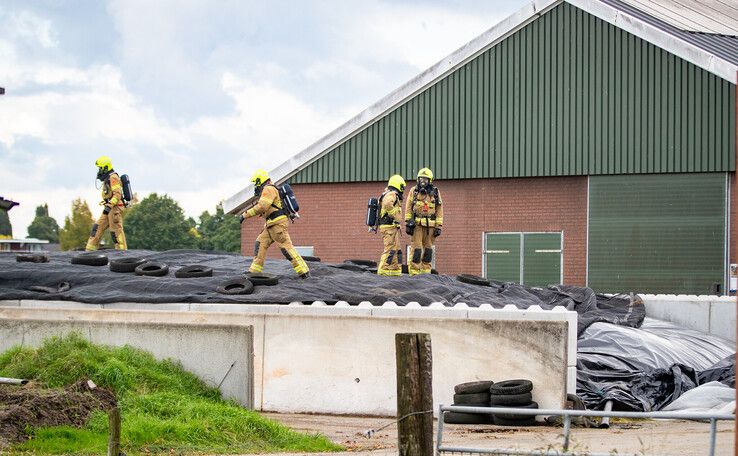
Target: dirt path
641,437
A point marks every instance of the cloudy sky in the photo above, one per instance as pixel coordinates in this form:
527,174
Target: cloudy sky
189,97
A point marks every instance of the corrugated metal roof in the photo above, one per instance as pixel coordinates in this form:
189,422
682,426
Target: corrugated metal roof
705,16
705,24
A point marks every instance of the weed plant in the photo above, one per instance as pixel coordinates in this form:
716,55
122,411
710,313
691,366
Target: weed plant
164,409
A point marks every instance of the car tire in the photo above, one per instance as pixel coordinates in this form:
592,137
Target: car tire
259,278
465,418
527,421
237,286
31,258
472,279
471,398
518,386
506,416
496,400
125,265
369,263
481,386
311,258
152,269
195,270
90,259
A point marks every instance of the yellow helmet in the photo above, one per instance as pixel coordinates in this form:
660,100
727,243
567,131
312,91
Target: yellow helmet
397,182
426,172
103,162
260,176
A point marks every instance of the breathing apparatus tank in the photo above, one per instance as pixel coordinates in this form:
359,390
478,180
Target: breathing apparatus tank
372,214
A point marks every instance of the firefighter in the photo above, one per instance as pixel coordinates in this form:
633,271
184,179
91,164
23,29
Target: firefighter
423,221
390,217
112,214
270,207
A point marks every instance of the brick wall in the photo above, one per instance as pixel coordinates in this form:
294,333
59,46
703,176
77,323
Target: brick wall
333,215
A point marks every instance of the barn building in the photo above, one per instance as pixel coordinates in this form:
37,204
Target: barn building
585,142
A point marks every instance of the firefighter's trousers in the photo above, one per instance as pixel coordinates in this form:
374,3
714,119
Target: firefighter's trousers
277,233
113,221
390,263
421,250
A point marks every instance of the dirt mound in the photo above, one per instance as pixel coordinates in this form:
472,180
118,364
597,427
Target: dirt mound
33,406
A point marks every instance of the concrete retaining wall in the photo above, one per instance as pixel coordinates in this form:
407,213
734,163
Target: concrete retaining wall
207,351
711,314
341,359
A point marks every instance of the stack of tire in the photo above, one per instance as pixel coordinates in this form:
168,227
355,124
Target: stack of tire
512,394
470,394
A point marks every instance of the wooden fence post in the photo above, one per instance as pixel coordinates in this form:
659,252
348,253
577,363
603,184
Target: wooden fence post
114,432
414,394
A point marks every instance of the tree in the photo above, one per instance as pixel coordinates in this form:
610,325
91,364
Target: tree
219,231
158,223
44,226
77,227
6,229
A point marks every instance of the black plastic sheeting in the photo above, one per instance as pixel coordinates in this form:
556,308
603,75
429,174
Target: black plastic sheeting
638,366
647,368
328,282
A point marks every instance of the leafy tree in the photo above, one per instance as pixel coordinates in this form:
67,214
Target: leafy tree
158,223
44,226
6,229
219,231
76,227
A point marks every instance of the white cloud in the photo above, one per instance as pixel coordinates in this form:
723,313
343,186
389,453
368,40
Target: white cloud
28,27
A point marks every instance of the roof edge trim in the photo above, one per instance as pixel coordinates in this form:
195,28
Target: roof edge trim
398,96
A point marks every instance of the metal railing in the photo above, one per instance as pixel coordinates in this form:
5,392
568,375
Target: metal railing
567,414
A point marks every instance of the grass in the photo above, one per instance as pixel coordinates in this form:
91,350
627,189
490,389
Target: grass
163,407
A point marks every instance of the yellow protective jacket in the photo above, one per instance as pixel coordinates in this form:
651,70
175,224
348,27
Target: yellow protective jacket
426,209
390,212
269,206
112,191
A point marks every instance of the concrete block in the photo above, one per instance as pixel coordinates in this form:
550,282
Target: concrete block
208,351
722,319
254,309
10,303
571,380
324,311
686,311
366,304
184,307
36,304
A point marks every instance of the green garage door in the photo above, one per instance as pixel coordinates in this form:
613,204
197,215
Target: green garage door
657,233
533,259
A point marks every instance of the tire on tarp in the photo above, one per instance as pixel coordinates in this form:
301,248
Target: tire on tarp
236,286
126,265
31,258
360,262
90,259
152,269
260,278
195,270
472,279
311,258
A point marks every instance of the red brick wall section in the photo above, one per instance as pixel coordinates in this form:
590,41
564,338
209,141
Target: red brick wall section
333,216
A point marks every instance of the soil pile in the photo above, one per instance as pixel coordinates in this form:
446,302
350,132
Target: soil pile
31,406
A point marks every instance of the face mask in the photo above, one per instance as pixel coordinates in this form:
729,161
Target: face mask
101,174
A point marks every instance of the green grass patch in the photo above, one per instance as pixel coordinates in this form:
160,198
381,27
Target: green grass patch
163,407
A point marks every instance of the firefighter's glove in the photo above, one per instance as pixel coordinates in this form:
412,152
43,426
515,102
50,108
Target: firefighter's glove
436,232
410,227
106,210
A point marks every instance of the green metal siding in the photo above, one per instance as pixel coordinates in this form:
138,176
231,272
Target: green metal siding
658,233
568,94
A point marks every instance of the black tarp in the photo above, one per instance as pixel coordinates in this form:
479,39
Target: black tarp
648,367
328,282
639,367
